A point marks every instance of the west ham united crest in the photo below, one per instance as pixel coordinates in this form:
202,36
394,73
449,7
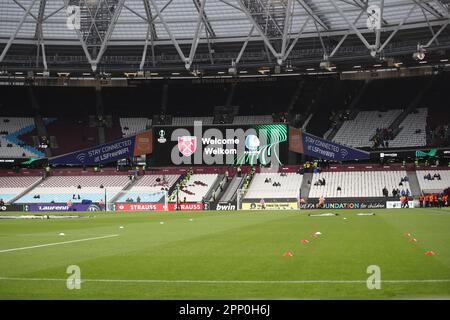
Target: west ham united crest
187,145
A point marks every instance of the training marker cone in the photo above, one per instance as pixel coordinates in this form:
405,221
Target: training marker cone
288,254
429,253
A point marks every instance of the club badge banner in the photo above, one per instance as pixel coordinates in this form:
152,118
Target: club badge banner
113,151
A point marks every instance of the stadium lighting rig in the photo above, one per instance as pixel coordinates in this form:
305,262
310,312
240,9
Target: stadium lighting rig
420,53
196,72
325,64
233,69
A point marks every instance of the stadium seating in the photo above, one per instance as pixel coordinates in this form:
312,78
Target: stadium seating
11,187
81,135
359,131
11,128
242,120
63,188
131,126
197,187
434,184
413,130
189,121
232,188
149,188
357,184
259,188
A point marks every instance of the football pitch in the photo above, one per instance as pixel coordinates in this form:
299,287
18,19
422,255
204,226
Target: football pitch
228,255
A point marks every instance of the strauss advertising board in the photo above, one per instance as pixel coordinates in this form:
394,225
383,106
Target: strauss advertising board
157,206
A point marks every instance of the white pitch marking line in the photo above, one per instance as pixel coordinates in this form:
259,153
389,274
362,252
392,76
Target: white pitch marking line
231,281
58,243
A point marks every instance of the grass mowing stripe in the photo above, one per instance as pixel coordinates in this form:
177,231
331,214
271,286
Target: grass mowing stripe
58,243
228,281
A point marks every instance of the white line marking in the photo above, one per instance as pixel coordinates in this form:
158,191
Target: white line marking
58,243
149,281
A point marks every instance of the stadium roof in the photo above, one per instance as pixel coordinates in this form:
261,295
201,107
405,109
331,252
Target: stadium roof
187,33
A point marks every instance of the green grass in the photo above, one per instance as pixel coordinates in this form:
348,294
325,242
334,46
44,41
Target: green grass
229,246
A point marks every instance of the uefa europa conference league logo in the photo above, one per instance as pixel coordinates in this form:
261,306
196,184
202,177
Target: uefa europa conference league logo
211,147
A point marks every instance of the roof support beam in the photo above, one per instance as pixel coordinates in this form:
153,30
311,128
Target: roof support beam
244,46
137,14
432,10
261,33
288,52
324,49
25,9
429,26
313,15
208,26
196,38
151,33
436,35
111,27
344,37
166,27
83,44
351,25
39,35
443,8
231,5
398,28
54,12
287,25
378,31
16,32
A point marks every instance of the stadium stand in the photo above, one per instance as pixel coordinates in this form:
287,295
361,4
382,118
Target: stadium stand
357,184
11,187
60,189
257,119
359,131
189,121
150,188
413,130
81,135
432,181
197,187
265,185
131,126
11,128
233,187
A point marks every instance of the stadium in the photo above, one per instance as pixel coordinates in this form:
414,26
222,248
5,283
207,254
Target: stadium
224,149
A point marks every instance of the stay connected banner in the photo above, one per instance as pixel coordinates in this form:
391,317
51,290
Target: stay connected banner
302,142
113,151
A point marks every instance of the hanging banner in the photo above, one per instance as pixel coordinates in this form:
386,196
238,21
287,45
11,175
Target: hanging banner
321,148
109,152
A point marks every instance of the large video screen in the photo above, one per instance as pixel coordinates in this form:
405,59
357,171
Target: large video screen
265,144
